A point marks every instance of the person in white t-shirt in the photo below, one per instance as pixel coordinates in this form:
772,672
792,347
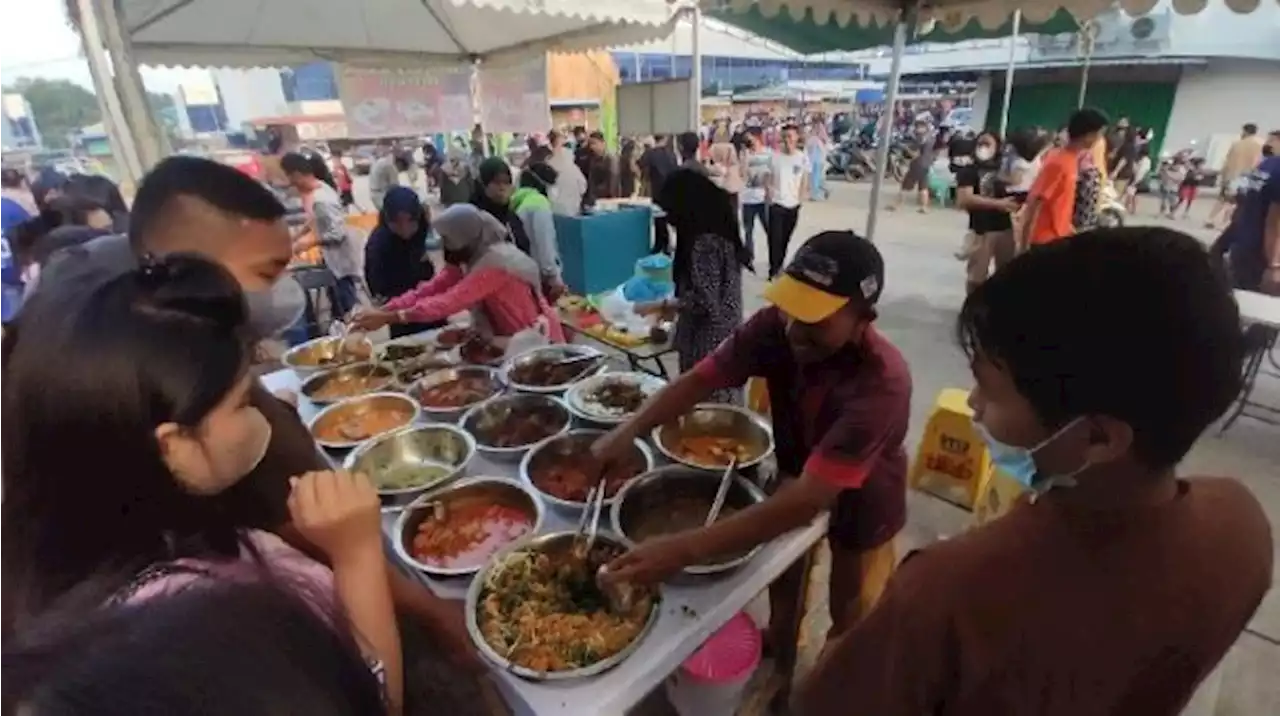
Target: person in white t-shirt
756,163
788,182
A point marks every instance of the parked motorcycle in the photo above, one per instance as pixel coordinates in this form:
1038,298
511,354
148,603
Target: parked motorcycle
850,162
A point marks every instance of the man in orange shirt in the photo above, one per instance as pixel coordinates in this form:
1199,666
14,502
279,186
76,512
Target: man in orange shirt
1053,195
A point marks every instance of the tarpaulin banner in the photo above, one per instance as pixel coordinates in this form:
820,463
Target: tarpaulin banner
514,99
398,103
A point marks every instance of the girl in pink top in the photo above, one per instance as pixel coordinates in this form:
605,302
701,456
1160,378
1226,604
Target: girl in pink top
123,455
484,273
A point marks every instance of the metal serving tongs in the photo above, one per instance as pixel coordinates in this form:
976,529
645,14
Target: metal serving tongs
343,332
585,536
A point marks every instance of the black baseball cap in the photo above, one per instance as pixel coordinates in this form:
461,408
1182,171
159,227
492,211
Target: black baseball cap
829,270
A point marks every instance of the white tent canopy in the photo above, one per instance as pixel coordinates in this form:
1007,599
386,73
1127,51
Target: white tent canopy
368,33
386,33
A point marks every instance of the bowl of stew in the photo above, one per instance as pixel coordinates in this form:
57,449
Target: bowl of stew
407,462
454,530
712,434
349,381
507,426
447,394
350,422
562,470
542,370
676,498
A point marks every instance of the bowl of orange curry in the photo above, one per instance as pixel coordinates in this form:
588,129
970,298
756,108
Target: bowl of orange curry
448,393
350,422
712,434
562,470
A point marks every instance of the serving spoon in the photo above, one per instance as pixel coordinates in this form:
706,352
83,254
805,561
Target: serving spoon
721,492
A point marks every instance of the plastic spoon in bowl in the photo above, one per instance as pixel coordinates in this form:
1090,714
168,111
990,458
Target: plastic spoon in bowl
721,492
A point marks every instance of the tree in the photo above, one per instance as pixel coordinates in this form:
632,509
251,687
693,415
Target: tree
59,107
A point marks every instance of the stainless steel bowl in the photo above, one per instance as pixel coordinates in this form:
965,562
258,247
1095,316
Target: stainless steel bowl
482,419
347,372
352,407
574,442
445,375
577,395
322,354
721,421
550,543
469,490
423,445
559,351
653,492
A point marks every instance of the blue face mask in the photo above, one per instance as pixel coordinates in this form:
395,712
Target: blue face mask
1019,462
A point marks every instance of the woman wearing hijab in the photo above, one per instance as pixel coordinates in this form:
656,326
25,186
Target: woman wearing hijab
707,268
493,194
484,274
532,207
395,256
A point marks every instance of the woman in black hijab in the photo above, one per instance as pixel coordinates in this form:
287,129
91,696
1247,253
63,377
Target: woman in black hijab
395,256
709,259
493,194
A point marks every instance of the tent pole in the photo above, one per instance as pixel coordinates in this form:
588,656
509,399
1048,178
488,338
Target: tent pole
1008,72
122,148
695,71
905,25
1086,37
128,83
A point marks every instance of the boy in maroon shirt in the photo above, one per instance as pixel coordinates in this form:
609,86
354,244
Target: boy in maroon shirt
840,395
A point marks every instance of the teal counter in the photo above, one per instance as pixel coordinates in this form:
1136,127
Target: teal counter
599,251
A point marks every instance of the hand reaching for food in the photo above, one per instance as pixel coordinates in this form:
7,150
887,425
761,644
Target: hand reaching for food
338,512
371,319
652,561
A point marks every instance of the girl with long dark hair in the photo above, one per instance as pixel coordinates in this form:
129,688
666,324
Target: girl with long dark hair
116,456
708,264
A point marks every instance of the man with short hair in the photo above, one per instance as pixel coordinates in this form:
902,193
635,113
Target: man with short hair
327,229
188,204
1243,155
656,163
1113,586
1252,239
602,169
840,396
384,173
690,143
788,184
1052,198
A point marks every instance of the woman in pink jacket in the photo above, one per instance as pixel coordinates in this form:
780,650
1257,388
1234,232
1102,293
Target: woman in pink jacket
485,274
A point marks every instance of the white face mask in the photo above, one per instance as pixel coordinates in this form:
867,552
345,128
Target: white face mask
221,454
274,310
984,153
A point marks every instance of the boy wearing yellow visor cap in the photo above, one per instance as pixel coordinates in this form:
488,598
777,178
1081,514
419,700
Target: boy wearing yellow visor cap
840,397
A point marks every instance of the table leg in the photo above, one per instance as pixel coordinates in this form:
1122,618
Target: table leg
1252,366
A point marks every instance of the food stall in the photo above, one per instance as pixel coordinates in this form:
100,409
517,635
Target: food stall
688,610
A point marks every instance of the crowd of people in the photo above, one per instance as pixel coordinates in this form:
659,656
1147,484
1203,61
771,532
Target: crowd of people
171,533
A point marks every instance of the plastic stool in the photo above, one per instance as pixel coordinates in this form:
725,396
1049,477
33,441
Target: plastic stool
952,459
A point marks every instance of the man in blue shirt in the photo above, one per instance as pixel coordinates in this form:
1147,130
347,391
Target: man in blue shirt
1252,241
13,211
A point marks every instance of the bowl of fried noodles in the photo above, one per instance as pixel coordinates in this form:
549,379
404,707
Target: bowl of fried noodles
537,610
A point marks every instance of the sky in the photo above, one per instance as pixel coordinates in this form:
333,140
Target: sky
42,44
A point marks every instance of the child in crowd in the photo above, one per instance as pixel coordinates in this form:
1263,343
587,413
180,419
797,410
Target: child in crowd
1188,188
156,362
